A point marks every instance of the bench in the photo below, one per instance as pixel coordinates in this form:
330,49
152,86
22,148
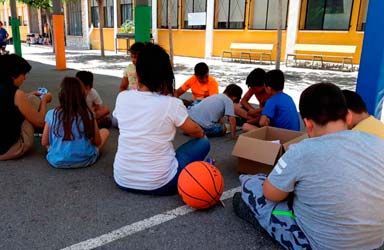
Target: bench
246,50
321,52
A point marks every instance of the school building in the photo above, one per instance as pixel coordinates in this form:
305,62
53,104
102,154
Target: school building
204,28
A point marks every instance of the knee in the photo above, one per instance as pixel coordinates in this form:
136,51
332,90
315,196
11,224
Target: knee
34,101
204,144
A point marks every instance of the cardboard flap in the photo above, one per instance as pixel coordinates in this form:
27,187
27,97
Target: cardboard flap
264,151
293,141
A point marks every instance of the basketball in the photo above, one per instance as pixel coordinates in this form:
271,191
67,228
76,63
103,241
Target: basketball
200,185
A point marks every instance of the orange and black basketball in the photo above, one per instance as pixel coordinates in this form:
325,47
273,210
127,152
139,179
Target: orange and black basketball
200,185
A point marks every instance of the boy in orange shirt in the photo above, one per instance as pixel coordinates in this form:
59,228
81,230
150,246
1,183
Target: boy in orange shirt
201,84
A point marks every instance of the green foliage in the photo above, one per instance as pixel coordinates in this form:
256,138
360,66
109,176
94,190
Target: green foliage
128,27
44,4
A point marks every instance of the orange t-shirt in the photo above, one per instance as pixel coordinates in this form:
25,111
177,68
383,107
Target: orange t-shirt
201,90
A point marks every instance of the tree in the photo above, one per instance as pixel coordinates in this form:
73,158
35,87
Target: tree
100,3
279,32
47,6
169,23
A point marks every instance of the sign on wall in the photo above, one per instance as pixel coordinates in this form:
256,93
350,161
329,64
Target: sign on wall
197,18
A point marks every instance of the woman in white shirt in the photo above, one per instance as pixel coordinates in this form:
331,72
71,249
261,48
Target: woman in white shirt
146,161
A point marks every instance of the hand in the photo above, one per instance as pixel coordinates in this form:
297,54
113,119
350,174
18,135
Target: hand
254,112
47,98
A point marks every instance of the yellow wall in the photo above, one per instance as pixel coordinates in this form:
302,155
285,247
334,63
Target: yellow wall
334,38
224,38
192,42
185,42
351,37
109,40
23,32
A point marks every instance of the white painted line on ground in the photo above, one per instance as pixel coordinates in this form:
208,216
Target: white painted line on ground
140,225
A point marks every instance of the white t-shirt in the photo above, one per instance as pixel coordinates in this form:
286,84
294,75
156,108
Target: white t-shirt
145,157
93,98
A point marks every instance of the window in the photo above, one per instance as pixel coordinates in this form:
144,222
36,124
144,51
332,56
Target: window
362,15
126,10
108,13
230,14
74,18
328,14
264,14
193,6
163,13
94,13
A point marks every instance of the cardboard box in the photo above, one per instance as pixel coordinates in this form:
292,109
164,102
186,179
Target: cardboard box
258,150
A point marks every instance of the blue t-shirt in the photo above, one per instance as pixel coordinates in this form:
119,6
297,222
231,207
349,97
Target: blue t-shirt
281,111
3,36
79,152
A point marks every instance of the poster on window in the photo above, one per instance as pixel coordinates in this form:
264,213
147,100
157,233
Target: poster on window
197,18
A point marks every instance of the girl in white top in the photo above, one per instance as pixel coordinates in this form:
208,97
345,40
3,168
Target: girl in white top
146,161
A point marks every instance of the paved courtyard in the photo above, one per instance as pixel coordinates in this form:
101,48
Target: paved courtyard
47,208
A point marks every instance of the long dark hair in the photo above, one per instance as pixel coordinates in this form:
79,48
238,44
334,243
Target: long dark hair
73,108
12,66
154,69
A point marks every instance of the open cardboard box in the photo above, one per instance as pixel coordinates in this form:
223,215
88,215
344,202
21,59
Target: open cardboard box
258,150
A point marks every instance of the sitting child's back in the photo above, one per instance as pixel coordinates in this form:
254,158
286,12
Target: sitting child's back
279,110
209,112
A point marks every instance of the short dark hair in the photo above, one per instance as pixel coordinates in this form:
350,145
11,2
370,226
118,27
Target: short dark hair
323,103
275,79
12,66
354,102
232,90
201,69
1,23
256,78
86,78
154,69
137,47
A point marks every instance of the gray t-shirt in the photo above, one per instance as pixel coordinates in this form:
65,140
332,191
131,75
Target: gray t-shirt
338,185
211,109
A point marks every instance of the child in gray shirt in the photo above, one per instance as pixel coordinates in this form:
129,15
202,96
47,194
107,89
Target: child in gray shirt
209,113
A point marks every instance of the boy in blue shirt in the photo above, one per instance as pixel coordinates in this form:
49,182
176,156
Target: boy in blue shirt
279,110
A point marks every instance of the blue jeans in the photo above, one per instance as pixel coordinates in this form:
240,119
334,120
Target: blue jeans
192,150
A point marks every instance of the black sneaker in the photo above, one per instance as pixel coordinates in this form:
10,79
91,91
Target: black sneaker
243,211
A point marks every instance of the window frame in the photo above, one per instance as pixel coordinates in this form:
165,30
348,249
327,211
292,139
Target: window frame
94,14
105,9
228,22
362,29
250,20
121,11
70,13
159,15
323,18
194,27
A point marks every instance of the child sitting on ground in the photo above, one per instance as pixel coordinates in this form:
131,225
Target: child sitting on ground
279,110
201,84
255,82
94,101
361,120
129,80
209,113
71,134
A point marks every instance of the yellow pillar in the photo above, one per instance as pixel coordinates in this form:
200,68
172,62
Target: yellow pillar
58,34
